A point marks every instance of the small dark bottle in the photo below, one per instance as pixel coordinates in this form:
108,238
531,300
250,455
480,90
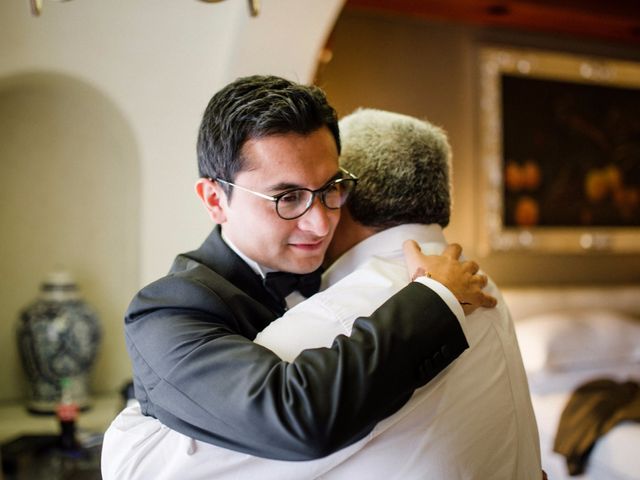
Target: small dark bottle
67,413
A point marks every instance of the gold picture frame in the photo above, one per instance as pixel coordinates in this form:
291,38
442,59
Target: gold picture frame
560,152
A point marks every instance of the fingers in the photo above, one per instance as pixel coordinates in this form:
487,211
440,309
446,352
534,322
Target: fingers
461,278
480,300
475,297
410,248
471,267
453,250
480,280
488,301
412,253
478,297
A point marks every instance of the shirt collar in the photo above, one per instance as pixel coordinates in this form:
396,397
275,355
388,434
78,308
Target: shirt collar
255,266
387,243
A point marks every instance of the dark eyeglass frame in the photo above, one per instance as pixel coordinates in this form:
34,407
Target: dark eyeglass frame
319,192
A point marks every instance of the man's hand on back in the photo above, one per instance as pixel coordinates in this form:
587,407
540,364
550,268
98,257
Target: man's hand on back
462,278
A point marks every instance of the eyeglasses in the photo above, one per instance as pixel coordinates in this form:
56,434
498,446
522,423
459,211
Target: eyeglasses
296,202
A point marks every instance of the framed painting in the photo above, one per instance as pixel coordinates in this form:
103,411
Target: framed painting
560,152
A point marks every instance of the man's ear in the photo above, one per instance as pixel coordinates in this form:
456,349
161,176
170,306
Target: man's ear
213,198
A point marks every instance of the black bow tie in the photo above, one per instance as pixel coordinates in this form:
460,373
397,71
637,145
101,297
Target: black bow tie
281,284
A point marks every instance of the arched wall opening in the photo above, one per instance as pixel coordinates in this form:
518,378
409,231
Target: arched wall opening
69,183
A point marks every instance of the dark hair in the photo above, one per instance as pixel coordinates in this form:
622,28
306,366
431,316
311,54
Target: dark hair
403,165
255,107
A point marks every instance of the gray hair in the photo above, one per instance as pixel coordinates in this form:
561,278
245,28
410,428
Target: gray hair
403,165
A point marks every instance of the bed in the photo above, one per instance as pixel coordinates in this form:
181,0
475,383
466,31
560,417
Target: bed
569,336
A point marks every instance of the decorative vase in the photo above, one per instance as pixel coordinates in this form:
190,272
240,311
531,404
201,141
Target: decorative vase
58,338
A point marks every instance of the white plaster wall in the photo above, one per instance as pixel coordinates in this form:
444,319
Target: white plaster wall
159,62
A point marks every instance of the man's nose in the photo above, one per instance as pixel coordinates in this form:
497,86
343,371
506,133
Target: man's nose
316,220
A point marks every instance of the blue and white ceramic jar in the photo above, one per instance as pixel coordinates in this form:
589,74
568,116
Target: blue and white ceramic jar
58,338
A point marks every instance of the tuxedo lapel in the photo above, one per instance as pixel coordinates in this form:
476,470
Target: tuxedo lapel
215,254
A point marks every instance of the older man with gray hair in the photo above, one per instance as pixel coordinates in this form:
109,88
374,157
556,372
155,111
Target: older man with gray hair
473,421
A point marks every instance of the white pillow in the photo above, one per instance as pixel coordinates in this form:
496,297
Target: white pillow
578,339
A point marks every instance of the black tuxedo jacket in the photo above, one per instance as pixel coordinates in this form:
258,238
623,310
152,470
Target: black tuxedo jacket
197,370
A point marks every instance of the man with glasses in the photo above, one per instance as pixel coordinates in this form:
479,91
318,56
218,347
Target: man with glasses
266,141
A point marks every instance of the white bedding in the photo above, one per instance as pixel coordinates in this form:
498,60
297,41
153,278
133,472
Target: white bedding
616,456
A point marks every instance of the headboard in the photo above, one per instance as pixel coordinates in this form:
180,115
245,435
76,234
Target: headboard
527,301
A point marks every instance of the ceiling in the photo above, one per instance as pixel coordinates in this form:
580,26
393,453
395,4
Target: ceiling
611,20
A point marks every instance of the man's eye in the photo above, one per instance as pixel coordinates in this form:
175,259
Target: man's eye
292,197
333,188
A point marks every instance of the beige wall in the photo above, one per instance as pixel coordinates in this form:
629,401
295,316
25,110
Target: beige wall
429,70
68,176
100,104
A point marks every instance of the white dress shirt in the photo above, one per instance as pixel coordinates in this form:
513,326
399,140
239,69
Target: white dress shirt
474,421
